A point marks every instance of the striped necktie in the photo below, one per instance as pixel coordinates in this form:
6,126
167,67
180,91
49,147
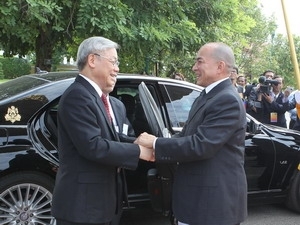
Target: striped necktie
104,99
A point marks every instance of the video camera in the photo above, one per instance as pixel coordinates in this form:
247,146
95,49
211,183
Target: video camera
266,84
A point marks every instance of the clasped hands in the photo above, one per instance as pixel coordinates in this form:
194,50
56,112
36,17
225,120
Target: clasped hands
145,142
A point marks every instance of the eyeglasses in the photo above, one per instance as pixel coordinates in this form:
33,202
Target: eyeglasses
114,62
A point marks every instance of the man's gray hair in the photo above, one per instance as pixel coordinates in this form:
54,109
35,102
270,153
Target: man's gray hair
92,45
223,52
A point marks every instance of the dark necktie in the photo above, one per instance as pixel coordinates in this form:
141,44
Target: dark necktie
203,92
197,102
104,99
199,99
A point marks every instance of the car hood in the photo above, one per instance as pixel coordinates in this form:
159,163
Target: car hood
275,131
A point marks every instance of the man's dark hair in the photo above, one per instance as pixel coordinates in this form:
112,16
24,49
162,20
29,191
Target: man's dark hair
267,71
236,69
278,76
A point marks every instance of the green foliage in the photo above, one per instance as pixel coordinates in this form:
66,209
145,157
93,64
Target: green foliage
14,67
35,25
156,37
280,54
252,55
23,22
103,18
1,72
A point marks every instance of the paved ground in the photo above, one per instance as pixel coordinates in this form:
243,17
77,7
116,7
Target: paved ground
271,215
258,215
144,215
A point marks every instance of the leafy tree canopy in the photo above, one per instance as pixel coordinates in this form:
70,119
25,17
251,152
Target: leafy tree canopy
157,37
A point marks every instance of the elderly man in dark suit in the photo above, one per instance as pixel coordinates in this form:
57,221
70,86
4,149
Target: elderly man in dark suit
210,185
89,185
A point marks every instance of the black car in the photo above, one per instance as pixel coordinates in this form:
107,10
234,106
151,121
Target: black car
29,153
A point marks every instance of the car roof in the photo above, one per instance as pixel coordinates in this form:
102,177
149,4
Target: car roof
27,83
25,95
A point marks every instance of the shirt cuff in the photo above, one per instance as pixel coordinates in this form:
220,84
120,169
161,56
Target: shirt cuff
154,142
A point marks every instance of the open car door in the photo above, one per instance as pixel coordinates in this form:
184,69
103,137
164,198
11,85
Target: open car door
160,178
152,112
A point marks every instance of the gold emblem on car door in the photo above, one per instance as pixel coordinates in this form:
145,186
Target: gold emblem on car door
12,114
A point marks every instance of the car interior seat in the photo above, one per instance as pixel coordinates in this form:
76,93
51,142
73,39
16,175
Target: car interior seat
140,123
51,124
129,102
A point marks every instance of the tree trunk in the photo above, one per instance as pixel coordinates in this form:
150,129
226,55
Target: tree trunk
43,50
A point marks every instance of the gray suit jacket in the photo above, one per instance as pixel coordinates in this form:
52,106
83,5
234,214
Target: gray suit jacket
210,184
89,154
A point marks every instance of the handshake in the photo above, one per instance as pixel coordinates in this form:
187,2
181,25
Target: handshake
145,142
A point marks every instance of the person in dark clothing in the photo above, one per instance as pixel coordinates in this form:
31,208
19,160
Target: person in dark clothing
269,107
90,185
210,185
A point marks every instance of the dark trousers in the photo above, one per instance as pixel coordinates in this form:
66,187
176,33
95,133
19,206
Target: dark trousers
292,123
117,217
119,210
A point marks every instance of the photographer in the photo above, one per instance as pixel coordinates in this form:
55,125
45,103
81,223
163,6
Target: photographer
268,103
269,74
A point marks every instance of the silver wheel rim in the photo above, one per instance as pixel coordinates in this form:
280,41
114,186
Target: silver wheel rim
26,204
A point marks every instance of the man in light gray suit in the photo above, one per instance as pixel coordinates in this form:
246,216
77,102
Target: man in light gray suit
210,185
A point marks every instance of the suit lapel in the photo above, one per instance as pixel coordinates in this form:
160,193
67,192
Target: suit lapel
99,103
117,113
197,105
201,100
279,99
117,116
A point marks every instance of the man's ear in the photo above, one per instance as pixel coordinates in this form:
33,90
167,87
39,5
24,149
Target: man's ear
91,60
221,66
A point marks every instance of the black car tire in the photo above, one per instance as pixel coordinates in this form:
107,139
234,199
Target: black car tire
26,198
293,198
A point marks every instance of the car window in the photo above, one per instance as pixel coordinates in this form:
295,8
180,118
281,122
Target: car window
179,101
28,82
129,95
18,85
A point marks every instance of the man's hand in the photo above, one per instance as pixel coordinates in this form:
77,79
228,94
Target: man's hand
147,154
268,97
146,140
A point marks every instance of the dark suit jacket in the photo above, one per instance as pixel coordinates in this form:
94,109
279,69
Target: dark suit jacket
239,89
89,154
120,115
280,108
210,185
